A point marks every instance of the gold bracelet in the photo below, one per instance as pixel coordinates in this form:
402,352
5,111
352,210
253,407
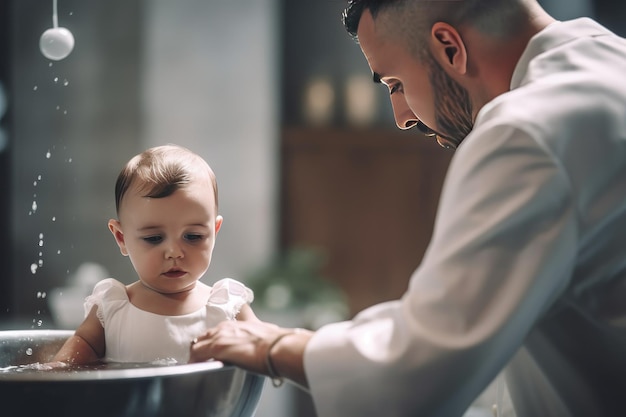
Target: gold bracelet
277,380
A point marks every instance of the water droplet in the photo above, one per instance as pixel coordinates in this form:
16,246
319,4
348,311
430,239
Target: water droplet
59,252
29,351
40,235
39,323
64,111
56,80
35,88
54,219
40,243
58,107
40,262
34,183
43,294
66,83
38,294
39,177
50,65
34,207
48,154
33,268
71,13
40,254
69,160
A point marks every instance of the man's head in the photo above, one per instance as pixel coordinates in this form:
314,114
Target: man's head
429,53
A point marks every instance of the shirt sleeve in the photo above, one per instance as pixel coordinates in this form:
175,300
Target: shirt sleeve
228,296
501,252
109,295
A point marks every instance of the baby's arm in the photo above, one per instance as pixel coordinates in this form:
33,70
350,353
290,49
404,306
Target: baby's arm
87,345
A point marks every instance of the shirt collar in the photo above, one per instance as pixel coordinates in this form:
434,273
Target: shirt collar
553,35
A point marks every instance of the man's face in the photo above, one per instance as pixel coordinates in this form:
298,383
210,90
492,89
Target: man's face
419,91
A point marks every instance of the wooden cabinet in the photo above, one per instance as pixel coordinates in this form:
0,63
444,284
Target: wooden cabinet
367,198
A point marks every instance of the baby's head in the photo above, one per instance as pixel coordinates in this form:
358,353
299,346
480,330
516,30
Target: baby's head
166,201
158,172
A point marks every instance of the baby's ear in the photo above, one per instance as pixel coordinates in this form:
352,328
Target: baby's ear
116,229
218,223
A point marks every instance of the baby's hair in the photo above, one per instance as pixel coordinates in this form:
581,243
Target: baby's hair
158,172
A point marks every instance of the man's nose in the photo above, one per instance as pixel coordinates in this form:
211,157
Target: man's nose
404,116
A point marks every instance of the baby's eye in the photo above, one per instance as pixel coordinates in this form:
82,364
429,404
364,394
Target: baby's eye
193,237
156,239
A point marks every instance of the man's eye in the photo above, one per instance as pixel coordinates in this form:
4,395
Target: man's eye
153,239
394,88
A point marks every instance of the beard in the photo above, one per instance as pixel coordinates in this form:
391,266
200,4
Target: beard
453,107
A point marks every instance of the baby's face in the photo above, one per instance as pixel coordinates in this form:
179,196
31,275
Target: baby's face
170,240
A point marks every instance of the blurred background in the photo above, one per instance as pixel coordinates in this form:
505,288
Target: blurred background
328,207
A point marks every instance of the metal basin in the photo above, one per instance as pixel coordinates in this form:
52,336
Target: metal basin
187,390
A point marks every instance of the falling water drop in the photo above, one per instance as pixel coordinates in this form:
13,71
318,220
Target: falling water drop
33,268
35,88
56,80
59,252
29,351
54,219
48,154
40,262
66,83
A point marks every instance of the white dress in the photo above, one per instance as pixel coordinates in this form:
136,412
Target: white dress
135,335
527,262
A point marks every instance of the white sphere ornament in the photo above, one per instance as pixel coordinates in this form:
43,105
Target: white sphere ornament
56,43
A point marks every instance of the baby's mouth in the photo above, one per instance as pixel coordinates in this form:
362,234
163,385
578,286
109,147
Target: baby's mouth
174,273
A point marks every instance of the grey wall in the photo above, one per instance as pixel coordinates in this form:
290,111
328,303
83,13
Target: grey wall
199,73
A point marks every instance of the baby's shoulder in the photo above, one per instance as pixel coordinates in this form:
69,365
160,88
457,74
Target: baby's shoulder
227,289
111,289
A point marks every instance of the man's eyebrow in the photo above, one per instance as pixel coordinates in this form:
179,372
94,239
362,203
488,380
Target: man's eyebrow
376,77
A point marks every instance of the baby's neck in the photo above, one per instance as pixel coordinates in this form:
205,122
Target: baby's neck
189,300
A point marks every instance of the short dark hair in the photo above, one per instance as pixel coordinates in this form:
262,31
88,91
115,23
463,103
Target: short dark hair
353,11
162,170
500,18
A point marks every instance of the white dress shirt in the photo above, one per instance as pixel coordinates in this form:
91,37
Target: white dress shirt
527,263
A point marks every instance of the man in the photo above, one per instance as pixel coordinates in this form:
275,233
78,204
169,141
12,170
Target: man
527,264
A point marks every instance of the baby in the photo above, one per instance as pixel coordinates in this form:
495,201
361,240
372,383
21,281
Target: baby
166,201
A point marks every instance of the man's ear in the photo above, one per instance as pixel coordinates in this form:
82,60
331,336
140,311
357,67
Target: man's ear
448,48
116,229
